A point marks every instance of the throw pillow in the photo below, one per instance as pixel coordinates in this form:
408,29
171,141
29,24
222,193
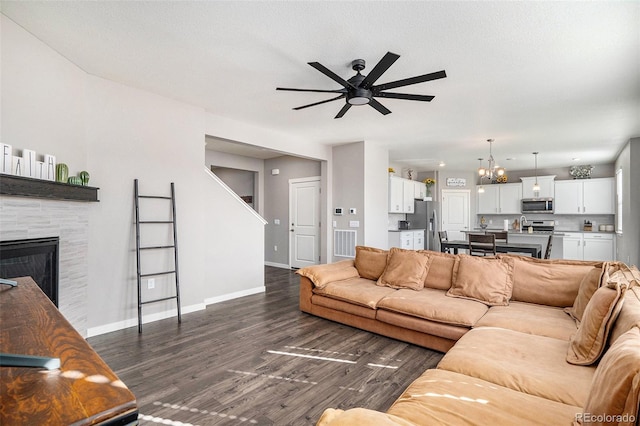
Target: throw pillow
587,344
615,388
440,275
370,262
485,279
590,283
405,269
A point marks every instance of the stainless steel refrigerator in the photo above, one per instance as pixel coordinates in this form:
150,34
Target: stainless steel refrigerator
425,217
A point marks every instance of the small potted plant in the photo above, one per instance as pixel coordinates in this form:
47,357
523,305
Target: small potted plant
392,171
429,182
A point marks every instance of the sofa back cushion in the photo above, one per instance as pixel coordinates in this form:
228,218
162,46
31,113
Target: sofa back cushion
615,390
629,315
321,275
485,279
405,269
588,343
552,282
440,274
370,262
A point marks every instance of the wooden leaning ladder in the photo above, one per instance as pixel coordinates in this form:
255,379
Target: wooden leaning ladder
174,247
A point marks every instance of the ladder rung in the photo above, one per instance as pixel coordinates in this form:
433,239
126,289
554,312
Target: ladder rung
156,221
157,273
159,197
158,300
156,247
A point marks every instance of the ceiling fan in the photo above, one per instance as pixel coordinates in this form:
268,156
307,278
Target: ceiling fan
360,89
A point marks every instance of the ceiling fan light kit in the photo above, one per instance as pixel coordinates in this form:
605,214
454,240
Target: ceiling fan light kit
360,89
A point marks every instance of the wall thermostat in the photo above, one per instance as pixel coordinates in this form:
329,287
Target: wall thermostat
339,211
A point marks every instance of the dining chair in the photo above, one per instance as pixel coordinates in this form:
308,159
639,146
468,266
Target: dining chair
500,235
482,244
442,236
547,252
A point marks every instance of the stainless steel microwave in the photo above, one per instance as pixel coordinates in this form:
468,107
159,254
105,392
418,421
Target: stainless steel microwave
537,205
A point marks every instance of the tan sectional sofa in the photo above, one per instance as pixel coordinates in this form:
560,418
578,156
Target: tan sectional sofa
528,341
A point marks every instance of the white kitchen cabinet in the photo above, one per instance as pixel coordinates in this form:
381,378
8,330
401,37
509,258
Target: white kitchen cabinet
419,190
598,246
588,196
396,195
401,239
500,199
572,246
588,246
418,240
547,187
407,195
402,193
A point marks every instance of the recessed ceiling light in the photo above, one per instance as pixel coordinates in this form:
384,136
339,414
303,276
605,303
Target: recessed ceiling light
575,159
442,164
511,158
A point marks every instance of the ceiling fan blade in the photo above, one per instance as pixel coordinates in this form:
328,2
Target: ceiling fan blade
379,107
408,81
312,90
344,110
380,68
405,96
333,76
318,103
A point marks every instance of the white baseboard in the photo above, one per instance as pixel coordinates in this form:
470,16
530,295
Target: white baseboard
234,295
132,322
277,265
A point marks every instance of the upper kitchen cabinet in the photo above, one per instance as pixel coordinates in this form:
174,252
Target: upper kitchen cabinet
588,196
500,199
547,188
401,195
419,190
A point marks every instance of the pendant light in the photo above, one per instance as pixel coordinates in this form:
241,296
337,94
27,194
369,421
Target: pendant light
536,186
481,188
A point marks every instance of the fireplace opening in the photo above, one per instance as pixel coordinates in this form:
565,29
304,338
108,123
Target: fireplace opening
37,258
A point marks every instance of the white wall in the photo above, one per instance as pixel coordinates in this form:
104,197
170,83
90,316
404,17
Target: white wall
376,190
118,133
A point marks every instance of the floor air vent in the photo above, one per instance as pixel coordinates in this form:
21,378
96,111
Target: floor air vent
344,242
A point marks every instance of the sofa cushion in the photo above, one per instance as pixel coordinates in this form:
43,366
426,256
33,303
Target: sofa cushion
530,318
440,397
523,362
360,291
484,279
616,385
433,328
629,316
589,284
440,274
321,275
370,262
360,416
588,343
552,282
434,305
405,269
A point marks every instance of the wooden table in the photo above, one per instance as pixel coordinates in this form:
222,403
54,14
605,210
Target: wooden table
535,250
84,391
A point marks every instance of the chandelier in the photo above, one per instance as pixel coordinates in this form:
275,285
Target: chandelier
493,170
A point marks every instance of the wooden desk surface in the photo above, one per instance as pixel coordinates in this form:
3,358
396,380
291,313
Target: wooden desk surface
84,391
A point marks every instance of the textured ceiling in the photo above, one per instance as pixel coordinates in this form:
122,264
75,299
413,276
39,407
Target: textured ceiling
561,78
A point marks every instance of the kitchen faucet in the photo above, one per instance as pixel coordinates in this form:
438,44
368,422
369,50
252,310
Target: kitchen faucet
523,218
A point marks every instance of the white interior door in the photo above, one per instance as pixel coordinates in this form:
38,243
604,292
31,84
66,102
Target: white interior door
456,216
304,222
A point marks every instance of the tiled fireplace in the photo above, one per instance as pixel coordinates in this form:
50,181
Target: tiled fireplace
32,218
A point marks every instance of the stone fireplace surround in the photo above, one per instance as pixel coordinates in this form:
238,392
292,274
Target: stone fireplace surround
22,218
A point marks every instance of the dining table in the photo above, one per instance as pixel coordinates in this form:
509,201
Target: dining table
535,250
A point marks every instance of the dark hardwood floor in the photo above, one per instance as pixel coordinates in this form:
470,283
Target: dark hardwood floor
258,360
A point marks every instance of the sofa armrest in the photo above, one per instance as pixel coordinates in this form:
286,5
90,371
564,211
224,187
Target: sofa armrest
321,275
306,291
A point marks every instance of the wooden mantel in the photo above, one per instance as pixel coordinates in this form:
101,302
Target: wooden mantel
39,188
83,391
